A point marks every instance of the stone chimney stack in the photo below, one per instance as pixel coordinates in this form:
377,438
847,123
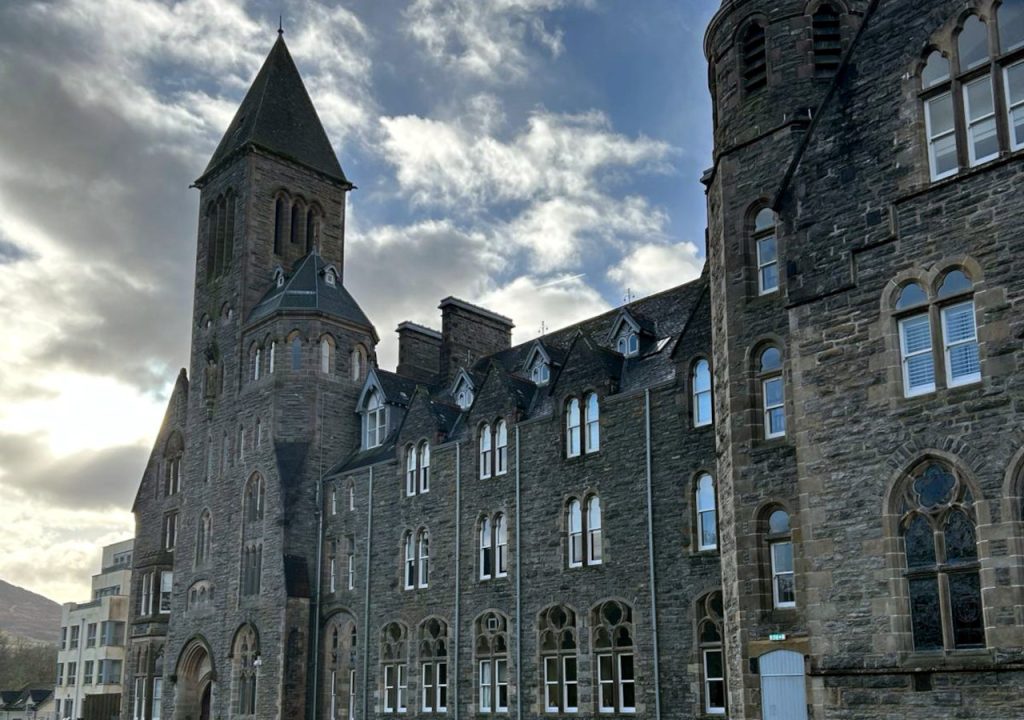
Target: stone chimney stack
468,333
419,352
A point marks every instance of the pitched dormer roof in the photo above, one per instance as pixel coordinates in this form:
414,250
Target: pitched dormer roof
277,115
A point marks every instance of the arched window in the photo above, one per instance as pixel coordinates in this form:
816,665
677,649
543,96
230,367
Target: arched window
339,662
244,656
754,59
954,313
332,565
700,383
204,538
593,434
376,420
351,496
211,240
773,396
326,355
501,448
572,428
557,639
486,453
612,622
486,544
779,538
423,550
394,655
979,77
433,647
279,210
766,248
229,230
173,452
1010,17
310,229
500,546
424,458
491,651
410,471
271,352
709,635
254,496
296,226
707,514
828,40
350,562
575,525
940,547
222,219
357,361
296,353
410,561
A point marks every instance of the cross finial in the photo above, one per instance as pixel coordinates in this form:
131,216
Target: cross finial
280,24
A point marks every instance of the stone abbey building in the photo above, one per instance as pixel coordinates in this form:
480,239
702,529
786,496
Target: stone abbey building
789,489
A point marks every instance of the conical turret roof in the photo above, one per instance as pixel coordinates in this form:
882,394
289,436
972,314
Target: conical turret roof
278,115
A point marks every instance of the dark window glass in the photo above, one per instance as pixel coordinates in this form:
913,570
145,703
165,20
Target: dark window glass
960,542
920,543
755,59
965,602
925,613
278,225
828,45
934,486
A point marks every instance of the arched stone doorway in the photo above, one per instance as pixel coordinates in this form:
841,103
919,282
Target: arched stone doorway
194,685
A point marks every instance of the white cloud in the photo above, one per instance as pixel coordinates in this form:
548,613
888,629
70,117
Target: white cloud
653,267
489,40
549,302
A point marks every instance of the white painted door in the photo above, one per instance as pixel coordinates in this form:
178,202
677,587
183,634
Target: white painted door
783,692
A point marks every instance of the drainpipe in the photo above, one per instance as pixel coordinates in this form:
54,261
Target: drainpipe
366,600
315,619
519,596
650,555
458,553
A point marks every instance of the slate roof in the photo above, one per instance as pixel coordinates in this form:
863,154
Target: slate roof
397,389
278,115
307,289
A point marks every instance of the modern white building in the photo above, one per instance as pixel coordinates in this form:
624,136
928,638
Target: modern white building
90,659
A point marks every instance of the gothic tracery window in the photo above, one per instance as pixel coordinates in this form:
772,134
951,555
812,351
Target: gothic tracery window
245,653
394,654
433,656
491,651
709,636
612,623
937,525
557,639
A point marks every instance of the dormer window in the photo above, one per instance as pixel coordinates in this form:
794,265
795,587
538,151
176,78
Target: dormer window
540,373
279,277
330,277
463,392
376,421
629,345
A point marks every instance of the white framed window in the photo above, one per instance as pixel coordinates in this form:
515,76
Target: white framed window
500,546
979,105
139,712
423,544
593,427
540,372
501,448
780,546
606,683
351,496
575,534
714,682
376,421
707,515
594,538
552,701
351,563
156,706
166,586
486,453
170,530
700,381
629,344
356,361
766,248
960,341
773,397
917,358
334,501
332,564
485,549
403,688
352,694
270,356
485,686
257,362
395,687
424,459
325,355
410,471
1013,80
334,695
501,685
410,562
561,691
940,127
572,428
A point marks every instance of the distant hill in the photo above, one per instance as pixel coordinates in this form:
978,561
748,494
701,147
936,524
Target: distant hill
25,614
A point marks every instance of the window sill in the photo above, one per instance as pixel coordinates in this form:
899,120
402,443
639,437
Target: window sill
1005,158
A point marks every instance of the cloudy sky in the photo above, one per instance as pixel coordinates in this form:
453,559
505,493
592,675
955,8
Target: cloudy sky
540,157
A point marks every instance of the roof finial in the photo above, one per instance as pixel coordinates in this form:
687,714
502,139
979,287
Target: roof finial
280,24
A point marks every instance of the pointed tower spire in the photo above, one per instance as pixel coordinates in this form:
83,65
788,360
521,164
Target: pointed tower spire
278,116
